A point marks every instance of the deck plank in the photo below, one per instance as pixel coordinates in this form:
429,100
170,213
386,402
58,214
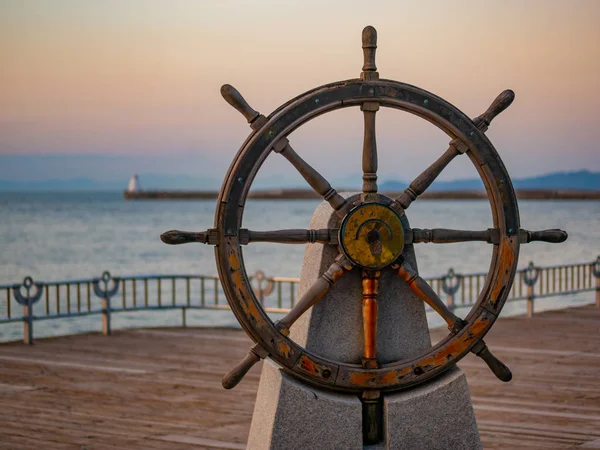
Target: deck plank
161,388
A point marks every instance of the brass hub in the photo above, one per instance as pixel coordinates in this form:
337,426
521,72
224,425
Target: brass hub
372,235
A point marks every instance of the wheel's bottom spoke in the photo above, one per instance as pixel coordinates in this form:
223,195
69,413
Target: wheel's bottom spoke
370,285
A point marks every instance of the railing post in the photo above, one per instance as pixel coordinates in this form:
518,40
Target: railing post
183,317
106,316
596,271
105,293
27,302
450,285
530,277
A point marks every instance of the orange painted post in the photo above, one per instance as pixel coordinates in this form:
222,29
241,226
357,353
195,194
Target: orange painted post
105,293
106,316
28,323
530,298
27,301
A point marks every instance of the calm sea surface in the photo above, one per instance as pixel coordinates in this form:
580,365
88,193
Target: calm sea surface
58,236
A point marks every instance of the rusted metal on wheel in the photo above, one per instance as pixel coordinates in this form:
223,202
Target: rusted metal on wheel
371,245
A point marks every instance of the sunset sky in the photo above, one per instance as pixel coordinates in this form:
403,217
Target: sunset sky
134,85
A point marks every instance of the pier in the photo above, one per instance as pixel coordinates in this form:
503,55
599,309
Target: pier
161,388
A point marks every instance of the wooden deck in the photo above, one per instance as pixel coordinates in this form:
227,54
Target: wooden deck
161,388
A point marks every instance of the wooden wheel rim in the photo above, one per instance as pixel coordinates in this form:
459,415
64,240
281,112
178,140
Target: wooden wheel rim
294,358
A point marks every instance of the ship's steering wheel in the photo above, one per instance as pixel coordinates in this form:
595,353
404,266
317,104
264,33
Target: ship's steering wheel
370,231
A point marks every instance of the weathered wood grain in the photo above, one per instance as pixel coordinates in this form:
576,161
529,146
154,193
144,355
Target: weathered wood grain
54,397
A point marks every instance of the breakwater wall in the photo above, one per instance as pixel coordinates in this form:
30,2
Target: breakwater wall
300,194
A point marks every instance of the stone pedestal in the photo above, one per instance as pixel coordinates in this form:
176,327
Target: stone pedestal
292,415
437,415
289,415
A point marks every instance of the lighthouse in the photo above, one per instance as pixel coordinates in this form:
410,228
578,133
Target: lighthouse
134,184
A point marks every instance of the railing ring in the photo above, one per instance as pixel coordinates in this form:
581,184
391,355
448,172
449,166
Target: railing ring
262,291
531,274
28,299
451,282
106,292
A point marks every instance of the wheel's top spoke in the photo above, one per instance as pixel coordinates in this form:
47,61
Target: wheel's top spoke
369,156
369,45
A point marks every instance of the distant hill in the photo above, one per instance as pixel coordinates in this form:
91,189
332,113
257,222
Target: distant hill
580,180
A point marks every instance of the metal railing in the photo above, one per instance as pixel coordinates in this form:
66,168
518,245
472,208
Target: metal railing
32,301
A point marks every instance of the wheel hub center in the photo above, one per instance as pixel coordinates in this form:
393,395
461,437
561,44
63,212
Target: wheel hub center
372,235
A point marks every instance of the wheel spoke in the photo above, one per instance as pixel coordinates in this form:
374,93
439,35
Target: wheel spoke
446,236
235,99
420,287
491,236
312,177
369,156
235,375
457,147
428,176
370,285
499,369
554,236
321,236
176,237
256,121
315,293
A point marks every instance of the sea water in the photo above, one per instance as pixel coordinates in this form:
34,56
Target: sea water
60,236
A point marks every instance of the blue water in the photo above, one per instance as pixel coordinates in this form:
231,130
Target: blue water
56,236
